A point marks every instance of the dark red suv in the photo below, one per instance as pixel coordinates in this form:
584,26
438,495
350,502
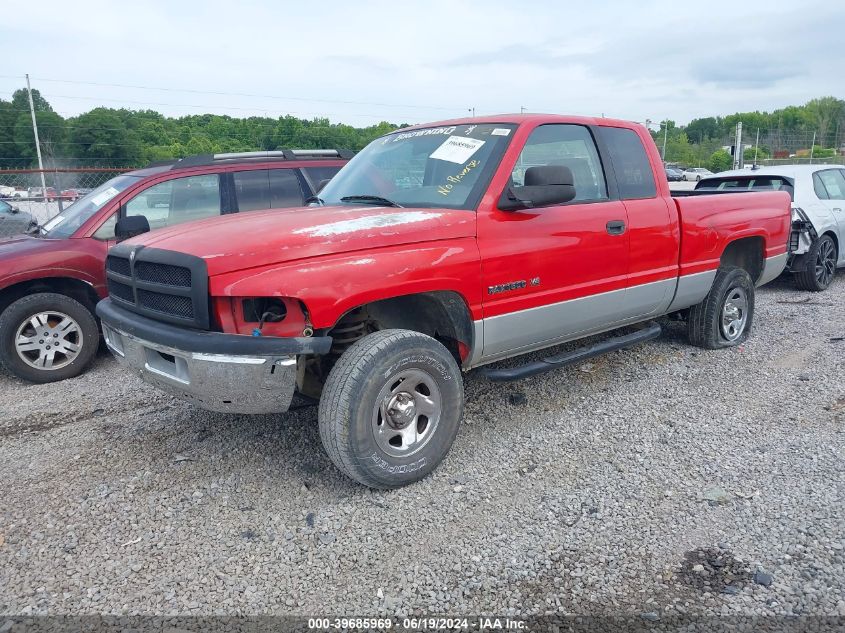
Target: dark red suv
51,280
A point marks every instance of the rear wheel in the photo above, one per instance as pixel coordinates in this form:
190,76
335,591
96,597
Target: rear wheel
724,318
47,337
821,266
391,408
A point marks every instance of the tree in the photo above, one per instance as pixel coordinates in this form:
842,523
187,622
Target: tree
20,101
51,135
825,112
100,136
720,160
762,153
823,152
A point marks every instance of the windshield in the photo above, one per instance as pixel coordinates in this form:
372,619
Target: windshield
433,167
68,221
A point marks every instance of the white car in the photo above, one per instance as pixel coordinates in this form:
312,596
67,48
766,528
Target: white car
818,214
696,173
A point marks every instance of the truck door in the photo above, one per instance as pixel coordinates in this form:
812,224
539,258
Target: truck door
653,231
554,272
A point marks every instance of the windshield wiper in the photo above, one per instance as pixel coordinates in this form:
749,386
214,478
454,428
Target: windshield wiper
313,199
371,200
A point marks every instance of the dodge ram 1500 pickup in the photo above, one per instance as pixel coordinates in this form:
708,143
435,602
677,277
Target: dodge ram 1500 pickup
437,248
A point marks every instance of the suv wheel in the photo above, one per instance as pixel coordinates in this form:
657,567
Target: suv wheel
724,318
47,337
391,408
821,266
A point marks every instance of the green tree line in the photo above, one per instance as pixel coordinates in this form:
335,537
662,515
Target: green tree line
788,131
128,138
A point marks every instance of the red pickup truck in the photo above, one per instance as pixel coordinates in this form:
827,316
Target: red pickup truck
437,248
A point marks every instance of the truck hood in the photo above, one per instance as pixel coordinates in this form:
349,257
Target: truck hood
262,238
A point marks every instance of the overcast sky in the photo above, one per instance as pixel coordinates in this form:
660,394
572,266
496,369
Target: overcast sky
367,61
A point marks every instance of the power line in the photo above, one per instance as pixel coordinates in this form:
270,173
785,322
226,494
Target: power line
239,94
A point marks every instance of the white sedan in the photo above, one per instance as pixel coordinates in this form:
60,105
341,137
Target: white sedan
696,173
818,214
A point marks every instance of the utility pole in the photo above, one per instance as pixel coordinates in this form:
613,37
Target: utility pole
812,148
37,144
522,109
756,145
738,151
472,109
665,134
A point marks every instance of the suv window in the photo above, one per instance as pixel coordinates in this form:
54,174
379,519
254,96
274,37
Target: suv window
285,190
833,184
178,200
568,145
316,175
630,162
267,189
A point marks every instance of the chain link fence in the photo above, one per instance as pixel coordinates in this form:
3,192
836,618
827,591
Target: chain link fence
62,187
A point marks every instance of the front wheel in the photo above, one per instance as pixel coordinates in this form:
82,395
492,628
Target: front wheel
46,337
391,408
821,266
724,318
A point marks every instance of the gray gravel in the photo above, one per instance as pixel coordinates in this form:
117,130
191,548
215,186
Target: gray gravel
652,481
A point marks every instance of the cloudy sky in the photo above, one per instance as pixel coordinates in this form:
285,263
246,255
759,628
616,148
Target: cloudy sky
368,61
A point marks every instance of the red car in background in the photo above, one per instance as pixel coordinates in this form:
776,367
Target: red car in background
51,279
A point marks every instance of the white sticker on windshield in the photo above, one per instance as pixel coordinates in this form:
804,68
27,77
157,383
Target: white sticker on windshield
501,131
104,196
457,149
53,223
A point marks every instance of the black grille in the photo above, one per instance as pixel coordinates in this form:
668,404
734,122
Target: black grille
159,284
118,265
121,291
166,274
174,305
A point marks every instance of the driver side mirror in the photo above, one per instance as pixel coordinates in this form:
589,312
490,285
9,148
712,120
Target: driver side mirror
131,226
544,185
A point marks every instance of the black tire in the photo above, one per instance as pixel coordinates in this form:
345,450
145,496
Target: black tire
705,325
86,337
350,412
820,266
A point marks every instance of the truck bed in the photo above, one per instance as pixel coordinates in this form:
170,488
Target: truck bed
709,220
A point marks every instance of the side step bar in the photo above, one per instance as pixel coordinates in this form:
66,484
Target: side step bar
652,331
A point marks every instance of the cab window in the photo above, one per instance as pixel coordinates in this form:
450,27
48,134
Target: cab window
568,145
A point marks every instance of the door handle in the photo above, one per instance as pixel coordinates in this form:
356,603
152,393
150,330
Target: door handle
616,227
837,210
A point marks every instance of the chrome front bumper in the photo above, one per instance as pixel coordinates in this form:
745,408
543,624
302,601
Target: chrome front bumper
217,382
232,373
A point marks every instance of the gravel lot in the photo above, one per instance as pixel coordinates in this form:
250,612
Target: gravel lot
653,481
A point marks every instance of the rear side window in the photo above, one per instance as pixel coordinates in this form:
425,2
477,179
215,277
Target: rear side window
630,162
749,183
285,190
267,189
